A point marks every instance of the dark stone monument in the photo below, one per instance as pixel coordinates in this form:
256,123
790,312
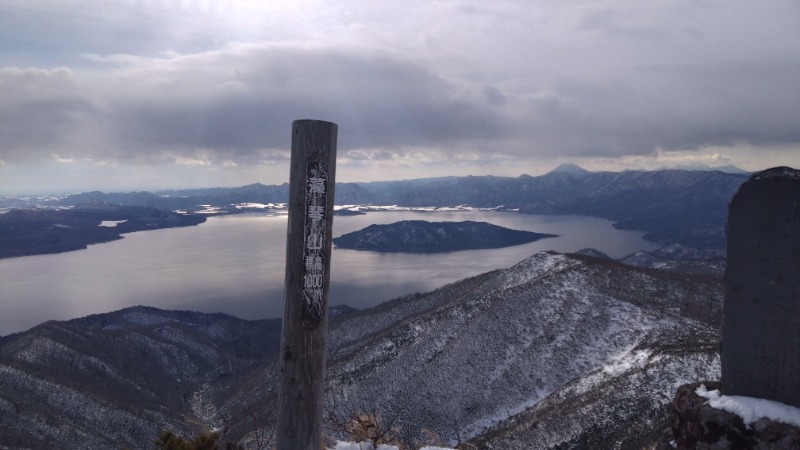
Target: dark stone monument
761,313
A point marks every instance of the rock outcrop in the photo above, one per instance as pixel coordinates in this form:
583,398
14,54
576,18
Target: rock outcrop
698,426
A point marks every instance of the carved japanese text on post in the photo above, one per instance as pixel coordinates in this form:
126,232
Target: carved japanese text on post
314,243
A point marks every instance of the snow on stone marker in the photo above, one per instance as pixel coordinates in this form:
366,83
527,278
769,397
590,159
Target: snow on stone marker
751,409
761,313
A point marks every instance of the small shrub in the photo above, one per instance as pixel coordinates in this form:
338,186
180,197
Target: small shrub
169,441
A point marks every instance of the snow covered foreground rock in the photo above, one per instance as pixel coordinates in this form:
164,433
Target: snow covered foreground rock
704,419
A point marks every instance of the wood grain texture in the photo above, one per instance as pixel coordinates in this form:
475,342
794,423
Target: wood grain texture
304,330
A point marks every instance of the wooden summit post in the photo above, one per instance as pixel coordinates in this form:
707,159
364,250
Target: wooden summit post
308,262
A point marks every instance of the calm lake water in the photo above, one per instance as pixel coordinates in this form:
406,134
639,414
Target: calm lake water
235,264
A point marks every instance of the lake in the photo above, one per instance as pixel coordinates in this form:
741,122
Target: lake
235,265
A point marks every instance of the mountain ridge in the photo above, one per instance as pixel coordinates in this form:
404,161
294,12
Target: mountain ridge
116,379
425,356
671,206
573,169
469,359
548,275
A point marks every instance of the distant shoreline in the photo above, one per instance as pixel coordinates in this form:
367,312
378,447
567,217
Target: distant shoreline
45,231
30,232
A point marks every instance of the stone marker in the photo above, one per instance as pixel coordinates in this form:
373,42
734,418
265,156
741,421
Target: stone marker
761,313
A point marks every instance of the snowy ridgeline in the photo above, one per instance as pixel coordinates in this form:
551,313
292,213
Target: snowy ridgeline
368,446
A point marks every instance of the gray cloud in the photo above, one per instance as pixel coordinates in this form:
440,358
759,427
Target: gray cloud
467,81
238,102
40,111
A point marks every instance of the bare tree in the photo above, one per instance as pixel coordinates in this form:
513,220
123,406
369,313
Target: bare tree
362,424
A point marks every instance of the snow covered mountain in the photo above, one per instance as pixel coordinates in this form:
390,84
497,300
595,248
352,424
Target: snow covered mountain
672,206
116,380
552,352
558,351
573,169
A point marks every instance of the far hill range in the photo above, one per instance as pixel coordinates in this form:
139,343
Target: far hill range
671,206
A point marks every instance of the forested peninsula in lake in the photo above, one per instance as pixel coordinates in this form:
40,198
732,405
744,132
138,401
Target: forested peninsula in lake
420,236
26,232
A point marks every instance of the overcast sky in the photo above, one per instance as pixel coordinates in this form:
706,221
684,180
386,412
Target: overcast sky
120,95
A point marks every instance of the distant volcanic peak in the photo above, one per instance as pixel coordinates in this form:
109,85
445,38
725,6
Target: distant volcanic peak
570,168
730,168
419,236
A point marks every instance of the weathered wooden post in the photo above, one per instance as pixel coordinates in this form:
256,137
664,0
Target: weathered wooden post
761,313
308,262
